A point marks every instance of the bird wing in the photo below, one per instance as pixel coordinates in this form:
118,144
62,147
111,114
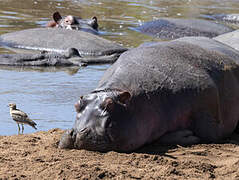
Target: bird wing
19,115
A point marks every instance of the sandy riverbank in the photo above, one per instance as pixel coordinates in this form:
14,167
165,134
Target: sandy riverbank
36,156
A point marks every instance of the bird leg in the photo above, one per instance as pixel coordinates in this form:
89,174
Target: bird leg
22,128
19,129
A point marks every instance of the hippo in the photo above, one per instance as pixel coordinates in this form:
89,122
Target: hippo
183,91
228,18
231,39
91,48
70,57
172,28
74,23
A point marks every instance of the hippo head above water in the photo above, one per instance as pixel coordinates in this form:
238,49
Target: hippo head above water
101,123
73,23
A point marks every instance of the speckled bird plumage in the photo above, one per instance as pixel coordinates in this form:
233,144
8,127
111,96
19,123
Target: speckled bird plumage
20,117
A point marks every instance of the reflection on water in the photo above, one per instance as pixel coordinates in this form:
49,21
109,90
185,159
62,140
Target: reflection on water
48,94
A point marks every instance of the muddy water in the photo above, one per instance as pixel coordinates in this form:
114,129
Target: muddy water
48,94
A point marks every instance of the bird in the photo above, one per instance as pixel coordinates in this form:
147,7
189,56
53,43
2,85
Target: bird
20,117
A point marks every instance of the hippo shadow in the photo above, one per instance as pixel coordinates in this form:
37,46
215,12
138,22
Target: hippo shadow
156,148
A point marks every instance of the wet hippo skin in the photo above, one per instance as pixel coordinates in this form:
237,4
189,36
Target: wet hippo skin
171,28
183,91
74,23
91,48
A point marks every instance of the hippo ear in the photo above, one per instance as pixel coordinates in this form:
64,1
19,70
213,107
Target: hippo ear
77,107
124,97
94,23
109,104
57,17
94,19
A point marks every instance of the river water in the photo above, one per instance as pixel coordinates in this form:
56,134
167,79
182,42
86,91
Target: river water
48,94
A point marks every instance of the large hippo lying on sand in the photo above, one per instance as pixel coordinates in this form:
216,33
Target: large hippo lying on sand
171,28
183,91
91,48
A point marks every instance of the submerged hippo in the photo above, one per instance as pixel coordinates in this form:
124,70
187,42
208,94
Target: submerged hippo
182,91
91,48
70,57
74,23
170,28
230,18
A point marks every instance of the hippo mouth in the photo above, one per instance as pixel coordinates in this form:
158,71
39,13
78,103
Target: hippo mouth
86,139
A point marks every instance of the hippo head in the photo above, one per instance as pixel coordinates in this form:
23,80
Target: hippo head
102,123
73,23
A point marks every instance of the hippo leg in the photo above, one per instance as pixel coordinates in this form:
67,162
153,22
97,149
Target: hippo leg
209,128
183,137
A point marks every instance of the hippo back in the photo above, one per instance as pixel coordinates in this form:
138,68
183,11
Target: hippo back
231,39
179,65
170,28
156,90
56,39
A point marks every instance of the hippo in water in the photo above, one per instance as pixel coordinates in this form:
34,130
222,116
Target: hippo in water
231,39
74,23
171,28
182,91
60,42
70,57
228,18
91,48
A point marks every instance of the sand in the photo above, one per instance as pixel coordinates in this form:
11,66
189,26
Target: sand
36,156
